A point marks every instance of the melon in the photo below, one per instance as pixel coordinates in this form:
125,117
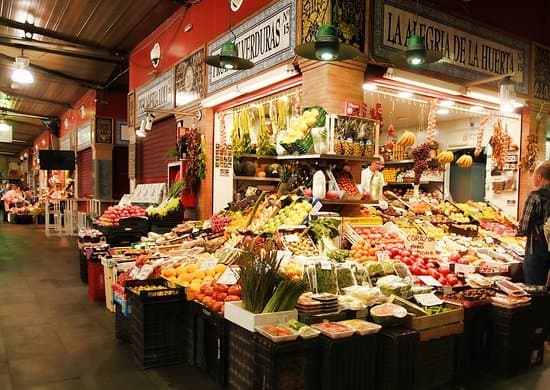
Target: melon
272,170
388,314
248,168
237,167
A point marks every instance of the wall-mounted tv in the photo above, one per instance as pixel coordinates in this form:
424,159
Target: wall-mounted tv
56,160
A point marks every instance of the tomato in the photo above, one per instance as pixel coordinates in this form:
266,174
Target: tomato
209,291
199,297
444,270
217,306
203,288
220,287
220,296
232,298
234,290
452,279
442,280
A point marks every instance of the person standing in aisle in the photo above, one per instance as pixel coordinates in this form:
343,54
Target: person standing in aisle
12,198
537,209
372,180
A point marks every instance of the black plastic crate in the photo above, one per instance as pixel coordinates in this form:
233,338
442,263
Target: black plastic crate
540,312
122,324
471,348
83,263
155,333
240,362
162,294
396,349
187,329
434,363
287,365
349,363
166,223
211,339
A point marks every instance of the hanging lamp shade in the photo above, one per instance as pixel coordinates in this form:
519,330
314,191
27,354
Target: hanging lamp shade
416,53
229,58
326,47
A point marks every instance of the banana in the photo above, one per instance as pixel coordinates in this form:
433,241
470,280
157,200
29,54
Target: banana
465,161
445,157
407,139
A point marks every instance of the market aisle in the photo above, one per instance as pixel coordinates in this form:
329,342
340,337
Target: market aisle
52,336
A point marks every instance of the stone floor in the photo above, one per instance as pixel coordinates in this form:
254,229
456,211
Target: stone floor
53,337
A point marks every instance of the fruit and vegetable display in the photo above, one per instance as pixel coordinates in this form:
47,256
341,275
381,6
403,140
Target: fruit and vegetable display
113,214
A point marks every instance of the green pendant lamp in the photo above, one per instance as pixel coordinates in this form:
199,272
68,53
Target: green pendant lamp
416,53
326,47
229,58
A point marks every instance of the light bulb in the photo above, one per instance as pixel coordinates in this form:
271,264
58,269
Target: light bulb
22,76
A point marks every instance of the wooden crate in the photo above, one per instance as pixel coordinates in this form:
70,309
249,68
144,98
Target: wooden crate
442,331
456,314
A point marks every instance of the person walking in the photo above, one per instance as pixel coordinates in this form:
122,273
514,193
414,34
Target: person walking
535,212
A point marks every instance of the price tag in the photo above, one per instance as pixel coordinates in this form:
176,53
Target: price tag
230,276
145,272
383,255
134,272
427,299
316,207
464,269
209,263
382,204
429,280
291,238
489,240
326,265
447,290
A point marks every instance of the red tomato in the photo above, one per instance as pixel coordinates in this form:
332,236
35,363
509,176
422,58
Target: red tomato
217,306
199,297
209,291
234,290
220,287
444,270
231,298
220,296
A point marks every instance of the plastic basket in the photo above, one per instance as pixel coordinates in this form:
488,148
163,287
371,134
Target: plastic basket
348,363
396,351
122,324
434,363
155,331
211,335
240,362
96,281
293,365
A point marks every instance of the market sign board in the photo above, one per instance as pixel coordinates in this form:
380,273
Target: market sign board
84,136
471,52
158,94
542,73
266,39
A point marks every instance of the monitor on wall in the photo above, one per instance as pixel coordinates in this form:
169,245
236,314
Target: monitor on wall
56,160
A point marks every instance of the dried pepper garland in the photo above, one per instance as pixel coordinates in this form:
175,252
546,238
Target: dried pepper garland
196,159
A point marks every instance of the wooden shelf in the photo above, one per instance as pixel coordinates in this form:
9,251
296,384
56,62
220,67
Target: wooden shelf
255,178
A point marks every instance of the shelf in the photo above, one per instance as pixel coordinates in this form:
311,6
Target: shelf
324,156
400,183
344,201
399,162
254,178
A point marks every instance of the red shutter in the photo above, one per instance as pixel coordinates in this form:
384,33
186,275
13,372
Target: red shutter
85,185
154,151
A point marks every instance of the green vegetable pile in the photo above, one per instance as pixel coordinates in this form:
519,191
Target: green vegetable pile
339,255
326,279
324,227
431,310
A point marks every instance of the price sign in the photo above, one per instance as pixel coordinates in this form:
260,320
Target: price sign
209,263
382,204
465,269
429,280
316,207
291,238
489,240
230,276
423,245
383,255
326,265
428,299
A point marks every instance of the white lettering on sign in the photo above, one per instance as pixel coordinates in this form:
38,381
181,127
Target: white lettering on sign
266,40
158,94
423,245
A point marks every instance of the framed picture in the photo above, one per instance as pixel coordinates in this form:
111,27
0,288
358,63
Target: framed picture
131,110
122,135
104,130
190,79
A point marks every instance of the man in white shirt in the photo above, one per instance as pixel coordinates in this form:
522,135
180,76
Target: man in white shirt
12,198
372,180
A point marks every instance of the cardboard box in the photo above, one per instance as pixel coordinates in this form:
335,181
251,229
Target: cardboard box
456,314
442,331
234,312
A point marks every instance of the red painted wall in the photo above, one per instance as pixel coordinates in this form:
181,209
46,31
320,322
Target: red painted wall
74,116
112,104
210,19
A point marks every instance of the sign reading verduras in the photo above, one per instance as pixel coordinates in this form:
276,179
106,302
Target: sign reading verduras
266,39
158,94
470,51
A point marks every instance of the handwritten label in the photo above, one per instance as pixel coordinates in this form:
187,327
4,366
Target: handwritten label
465,269
209,263
230,276
423,245
429,280
383,255
326,265
428,299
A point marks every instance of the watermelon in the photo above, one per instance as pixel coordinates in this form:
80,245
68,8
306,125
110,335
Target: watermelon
237,167
272,170
248,168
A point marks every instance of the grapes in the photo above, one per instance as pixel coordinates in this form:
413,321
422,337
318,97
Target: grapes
421,153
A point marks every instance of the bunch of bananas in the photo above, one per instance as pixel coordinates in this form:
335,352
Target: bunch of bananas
445,157
407,139
464,161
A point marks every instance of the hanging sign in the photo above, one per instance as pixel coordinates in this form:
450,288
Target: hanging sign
471,51
266,39
158,94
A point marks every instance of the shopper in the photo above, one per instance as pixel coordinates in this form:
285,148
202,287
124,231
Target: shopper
372,180
12,198
535,212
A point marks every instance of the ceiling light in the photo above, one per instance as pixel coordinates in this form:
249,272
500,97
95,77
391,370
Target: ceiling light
443,111
447,103
228,58
476,108
21,74
517,104
370,86
326,47
416,53
405,94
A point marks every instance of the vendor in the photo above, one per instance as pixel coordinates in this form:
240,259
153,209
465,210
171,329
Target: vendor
372,180
13,198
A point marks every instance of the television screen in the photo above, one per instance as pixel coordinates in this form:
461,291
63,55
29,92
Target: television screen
53,160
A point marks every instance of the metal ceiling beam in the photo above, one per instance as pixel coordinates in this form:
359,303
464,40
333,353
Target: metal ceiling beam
15,121
9,111
62,50
27,27
38,100
84,83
